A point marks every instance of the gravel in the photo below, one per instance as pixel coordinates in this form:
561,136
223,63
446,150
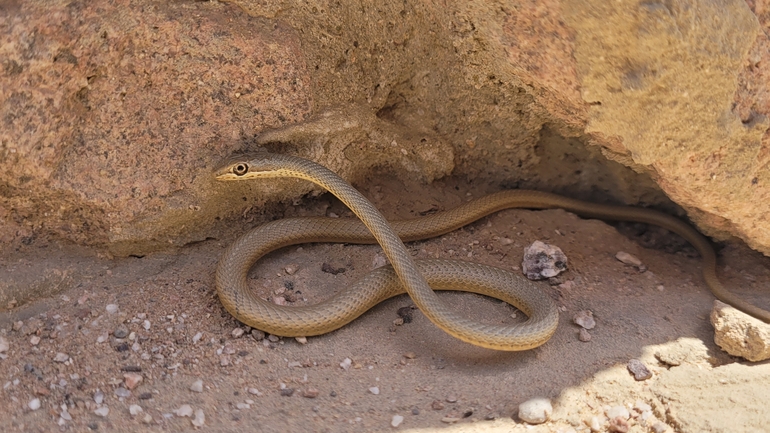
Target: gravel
34,404
197,386
396,421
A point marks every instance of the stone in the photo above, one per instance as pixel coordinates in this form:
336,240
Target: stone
536,410
739,334
542,261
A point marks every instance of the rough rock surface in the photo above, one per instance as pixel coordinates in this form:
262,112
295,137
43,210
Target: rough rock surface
740,334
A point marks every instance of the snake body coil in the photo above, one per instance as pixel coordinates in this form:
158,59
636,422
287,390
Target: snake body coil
406,274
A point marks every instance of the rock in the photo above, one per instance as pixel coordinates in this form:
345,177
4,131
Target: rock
739,334
542,261
34,404
310,393
102,411
346,363
536,410
197,386
659,427
111,308
61,357
184,410
584,319
4,345
584,335
618,412
630,259
396,421
120,332
135,409
639,370
437,405
132,380
375,390
238,332
291,269
200,418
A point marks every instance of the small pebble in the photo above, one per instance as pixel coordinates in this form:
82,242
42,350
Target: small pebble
291,269
595,425
273,338
374,390
34,404
585,319
197,337
122,392
98,397
618,412
102,411
200,418
132,380
111,308
437,405
584,335
197,386
147,418
659,427
34,340
628,259
639,370
254,391
120,332
450,419
396,421
184,410
451,399
415,410
238,332
135,409
346,363
61,357
301,340
641,406
4,345
543,261
536,410
310,393
243,406
65,415
287,392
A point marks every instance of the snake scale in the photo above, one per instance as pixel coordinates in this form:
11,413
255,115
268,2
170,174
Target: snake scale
416,277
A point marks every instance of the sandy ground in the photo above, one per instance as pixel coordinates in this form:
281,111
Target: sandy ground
178,333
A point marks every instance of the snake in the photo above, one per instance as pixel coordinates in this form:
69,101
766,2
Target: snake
418,278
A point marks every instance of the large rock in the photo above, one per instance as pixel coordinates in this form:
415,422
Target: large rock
739,334
115,113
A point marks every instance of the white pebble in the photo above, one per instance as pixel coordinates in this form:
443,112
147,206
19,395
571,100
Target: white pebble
102,411
112,308
595,425
375,390
4,345
146,325
536,410
237,332
65,415
291,269
135,409
618,411
34,404
301,340
184,410
641,406
98,397
628,259
585,319
397,420
346,363
197,337
199,419
61,357
243,406
197,386
254,391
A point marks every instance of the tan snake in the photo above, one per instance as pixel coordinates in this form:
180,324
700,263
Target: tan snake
406,274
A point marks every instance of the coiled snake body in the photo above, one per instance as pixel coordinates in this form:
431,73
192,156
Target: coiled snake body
405,274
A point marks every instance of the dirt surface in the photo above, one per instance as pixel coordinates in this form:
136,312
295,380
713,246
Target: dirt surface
65,352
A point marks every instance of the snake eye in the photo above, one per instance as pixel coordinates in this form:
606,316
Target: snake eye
241,169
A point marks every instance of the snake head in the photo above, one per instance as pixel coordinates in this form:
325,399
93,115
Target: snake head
252,165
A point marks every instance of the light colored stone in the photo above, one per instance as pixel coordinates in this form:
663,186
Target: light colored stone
184,410
132,380
543,261
102,411
396,421
135,409
34,404
197,386
536,410
4,345
739,334
200,418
